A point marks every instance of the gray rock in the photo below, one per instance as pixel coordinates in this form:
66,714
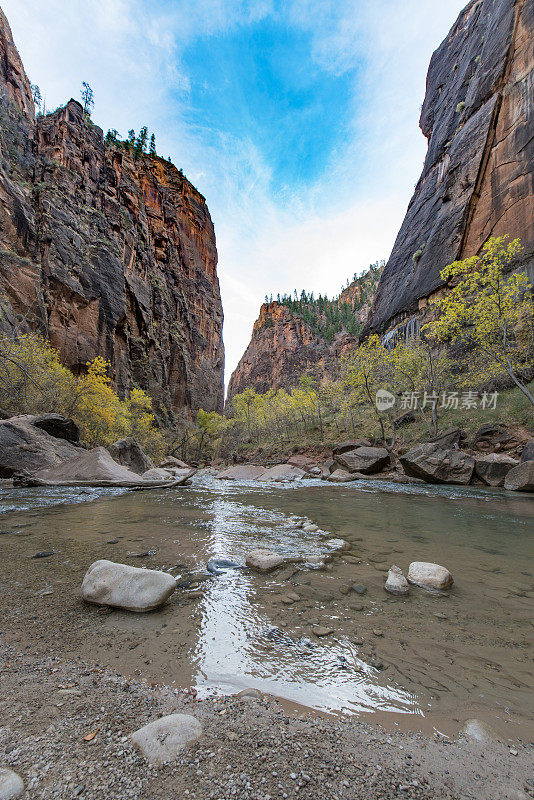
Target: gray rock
434,465
429,576
282,472
58,426
27,448
171,461
359,588
91,466
129,453
162,740
521,478
242,472
11,784
493,468
366,460
109,584
528,451
396,583
158,474
341,476
310,527
353,444
264,560
327,468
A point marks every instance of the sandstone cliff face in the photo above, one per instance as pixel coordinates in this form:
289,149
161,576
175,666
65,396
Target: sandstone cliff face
477,179
284,345
105,254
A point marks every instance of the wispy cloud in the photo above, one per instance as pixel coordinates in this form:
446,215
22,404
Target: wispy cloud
280,224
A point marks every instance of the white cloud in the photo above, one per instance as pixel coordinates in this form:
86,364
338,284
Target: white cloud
270,238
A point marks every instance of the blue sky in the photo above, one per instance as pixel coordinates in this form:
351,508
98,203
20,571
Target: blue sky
297,119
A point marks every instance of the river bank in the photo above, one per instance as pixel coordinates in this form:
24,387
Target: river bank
251,748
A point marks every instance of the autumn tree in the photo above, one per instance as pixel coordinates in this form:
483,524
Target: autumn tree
489,311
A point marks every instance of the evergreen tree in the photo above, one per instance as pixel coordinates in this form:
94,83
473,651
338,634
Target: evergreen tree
140,142
152,148
88,98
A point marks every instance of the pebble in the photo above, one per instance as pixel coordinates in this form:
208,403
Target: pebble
359,588
321,630
11,784
378,632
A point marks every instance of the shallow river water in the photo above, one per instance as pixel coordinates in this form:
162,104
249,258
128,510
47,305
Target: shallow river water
425,659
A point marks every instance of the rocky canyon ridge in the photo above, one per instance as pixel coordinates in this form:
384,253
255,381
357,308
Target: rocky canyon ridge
105,254
477,182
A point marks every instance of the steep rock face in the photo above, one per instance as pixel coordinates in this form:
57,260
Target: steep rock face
283,347
106,254
477,179
290,338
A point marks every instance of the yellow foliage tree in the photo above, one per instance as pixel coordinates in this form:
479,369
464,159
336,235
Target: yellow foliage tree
97,408
491,312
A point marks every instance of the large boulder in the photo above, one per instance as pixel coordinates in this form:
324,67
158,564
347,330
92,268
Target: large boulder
342,476
434,465
25,447
528,451
429,576
366,460
242,472
493,468
158,474
328,468
264,560
58,426
450,438
282,472
521,478
162,740
129,453
353,444
171,461
109,584
91,466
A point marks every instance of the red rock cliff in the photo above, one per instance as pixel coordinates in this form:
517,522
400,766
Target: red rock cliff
478,176
106,254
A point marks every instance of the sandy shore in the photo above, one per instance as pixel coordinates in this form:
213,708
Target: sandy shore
251,747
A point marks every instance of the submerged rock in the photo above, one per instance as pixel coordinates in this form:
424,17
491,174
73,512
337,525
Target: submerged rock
429,576
521,478
264,560
162,740
396,583
11,784
218,566
109,584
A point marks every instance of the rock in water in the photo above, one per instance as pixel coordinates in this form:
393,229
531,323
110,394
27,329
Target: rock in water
341,476
242,472
158,474
27,447
429,576
521,478
282,472
264,560
396,583
109,584
93,465
11,784
162,740
129,453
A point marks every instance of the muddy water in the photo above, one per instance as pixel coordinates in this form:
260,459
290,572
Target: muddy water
427,657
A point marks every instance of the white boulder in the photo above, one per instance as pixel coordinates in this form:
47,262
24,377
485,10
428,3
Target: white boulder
396,583
162,740
242,472
109,584
11,784
429,576
264,560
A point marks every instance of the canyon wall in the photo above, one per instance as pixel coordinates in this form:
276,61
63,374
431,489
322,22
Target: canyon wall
288,341
477,179
104,253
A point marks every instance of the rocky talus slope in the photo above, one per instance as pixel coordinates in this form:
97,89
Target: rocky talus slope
104,253
477,179
290,340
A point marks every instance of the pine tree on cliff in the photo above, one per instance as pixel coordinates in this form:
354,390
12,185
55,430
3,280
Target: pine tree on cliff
88,98
152,147
140,142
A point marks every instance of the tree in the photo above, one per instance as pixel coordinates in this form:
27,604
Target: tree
112,137
140,142
131,137
88,98
36,95
152,148
490,312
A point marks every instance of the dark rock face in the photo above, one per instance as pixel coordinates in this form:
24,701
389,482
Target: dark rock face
58,426
477,179
128,453
435,465
528,451
25,447
493,468
106,254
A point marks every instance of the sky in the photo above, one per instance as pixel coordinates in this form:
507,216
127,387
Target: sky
296,119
